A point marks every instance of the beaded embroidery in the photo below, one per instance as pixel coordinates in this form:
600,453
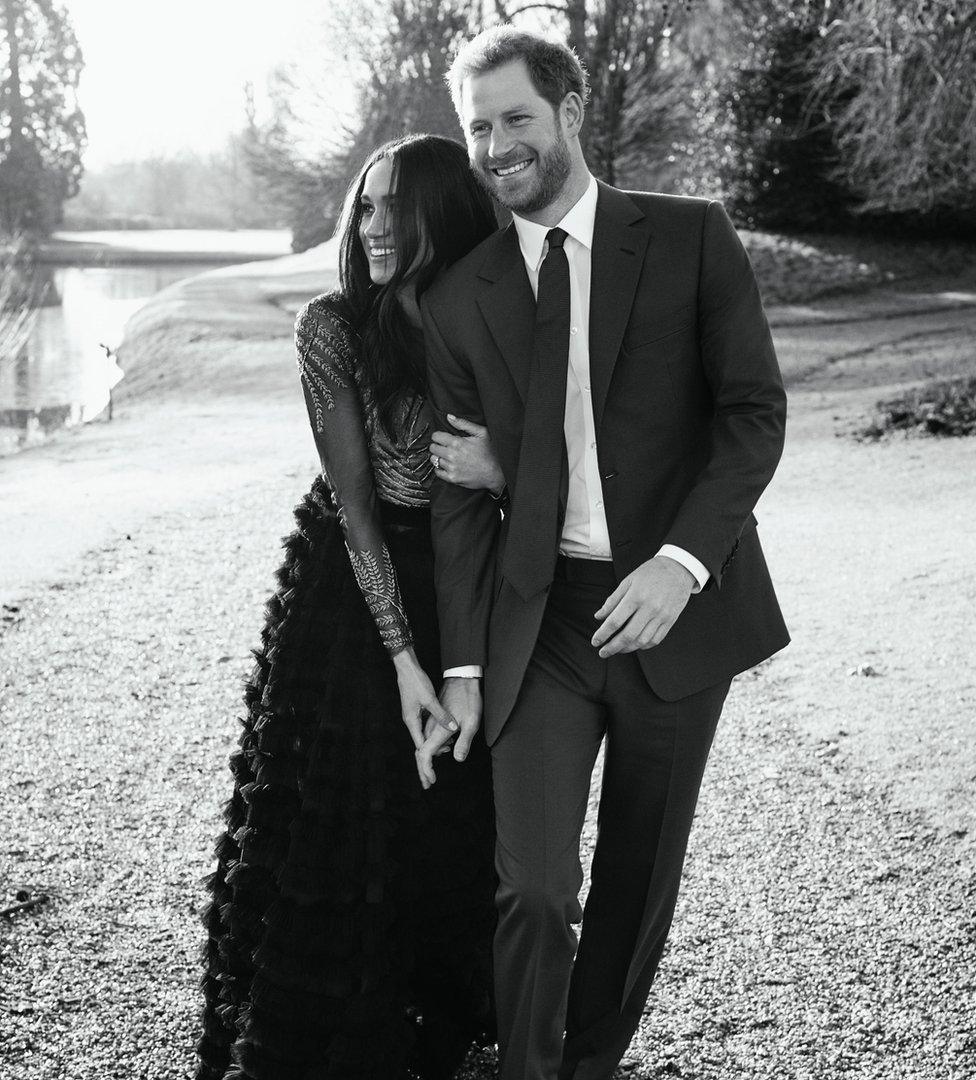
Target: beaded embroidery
401,469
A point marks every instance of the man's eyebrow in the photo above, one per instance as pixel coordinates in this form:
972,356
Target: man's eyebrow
512,111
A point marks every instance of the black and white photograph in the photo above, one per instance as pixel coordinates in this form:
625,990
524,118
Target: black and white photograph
488,540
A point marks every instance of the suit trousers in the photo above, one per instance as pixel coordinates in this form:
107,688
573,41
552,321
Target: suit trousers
542,762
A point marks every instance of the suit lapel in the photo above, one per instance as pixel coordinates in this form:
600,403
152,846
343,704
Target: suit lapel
507,303
620,238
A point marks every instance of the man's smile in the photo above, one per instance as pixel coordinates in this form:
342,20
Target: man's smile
502,171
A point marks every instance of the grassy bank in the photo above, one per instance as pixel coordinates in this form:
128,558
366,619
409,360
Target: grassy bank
224,332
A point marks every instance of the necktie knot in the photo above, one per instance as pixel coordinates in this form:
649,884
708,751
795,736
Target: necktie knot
556,238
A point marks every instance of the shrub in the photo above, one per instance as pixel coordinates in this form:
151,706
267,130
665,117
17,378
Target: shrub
790,271
779,169
898,77
947,407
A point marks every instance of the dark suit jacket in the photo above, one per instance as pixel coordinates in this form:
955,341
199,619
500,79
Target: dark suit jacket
690,413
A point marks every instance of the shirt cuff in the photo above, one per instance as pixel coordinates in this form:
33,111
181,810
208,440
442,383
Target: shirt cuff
697,569
469,671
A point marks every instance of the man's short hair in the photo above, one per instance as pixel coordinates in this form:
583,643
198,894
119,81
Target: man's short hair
554,67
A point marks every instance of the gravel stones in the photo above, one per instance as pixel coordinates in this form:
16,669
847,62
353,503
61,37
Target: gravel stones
823,931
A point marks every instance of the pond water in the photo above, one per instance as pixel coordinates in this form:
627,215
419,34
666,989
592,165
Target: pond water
64,374
247,242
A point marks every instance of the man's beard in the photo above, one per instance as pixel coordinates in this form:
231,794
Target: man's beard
553,168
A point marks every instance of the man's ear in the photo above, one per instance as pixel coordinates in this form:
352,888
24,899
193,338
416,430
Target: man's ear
571,113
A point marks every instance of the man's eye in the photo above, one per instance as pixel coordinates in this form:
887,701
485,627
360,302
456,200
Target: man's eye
480,130
518,117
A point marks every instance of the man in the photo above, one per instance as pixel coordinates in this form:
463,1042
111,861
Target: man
615,346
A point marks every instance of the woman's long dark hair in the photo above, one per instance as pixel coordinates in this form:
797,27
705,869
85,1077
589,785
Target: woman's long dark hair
440,210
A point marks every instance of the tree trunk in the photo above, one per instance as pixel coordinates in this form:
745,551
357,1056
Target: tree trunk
576,23
11,15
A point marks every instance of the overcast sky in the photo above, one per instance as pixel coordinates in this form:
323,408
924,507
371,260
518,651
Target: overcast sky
160,77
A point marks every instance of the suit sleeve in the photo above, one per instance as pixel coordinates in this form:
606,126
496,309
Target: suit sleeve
464,524
743,374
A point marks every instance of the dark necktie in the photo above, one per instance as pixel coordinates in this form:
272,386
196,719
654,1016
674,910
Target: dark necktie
530,551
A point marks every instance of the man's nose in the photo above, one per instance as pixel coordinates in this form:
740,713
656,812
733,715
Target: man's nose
499,145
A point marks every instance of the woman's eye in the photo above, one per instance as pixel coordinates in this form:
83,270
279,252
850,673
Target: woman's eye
366,210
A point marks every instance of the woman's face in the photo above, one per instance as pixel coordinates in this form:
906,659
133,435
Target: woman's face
376,224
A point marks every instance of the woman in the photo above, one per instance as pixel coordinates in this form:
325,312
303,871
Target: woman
351,913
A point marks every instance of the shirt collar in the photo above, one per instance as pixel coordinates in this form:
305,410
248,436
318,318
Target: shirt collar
578,223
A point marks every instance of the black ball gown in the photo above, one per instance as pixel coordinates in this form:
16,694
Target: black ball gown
351,912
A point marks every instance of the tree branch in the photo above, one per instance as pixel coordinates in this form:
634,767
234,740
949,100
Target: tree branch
561,8
24,905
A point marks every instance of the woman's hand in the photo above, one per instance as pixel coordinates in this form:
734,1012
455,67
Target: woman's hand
438,742
417,698
466,460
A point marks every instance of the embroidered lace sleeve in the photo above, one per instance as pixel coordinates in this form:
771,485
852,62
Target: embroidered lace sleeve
326,360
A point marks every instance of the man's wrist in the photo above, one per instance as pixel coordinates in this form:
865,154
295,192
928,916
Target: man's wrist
685,559
468,671
679,568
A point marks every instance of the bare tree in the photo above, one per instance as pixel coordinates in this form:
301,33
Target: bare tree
296,159
904,74
405,87
395,54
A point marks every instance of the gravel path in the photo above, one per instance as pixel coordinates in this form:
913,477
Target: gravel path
822,931
827,927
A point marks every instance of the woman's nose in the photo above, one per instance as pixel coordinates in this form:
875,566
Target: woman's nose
375,227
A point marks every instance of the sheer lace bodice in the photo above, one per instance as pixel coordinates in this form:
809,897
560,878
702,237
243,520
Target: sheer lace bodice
361,461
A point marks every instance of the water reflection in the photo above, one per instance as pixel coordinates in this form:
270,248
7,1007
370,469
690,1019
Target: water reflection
63,376
65,369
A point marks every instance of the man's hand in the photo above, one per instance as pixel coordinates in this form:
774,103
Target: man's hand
643,607
461,699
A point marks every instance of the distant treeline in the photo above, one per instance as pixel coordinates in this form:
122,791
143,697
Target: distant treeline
183,191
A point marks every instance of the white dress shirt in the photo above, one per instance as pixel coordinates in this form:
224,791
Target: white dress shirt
585,534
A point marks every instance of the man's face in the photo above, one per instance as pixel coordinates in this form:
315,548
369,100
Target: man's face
515,140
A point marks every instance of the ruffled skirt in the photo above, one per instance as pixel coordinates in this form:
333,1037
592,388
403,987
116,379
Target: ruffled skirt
351,912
